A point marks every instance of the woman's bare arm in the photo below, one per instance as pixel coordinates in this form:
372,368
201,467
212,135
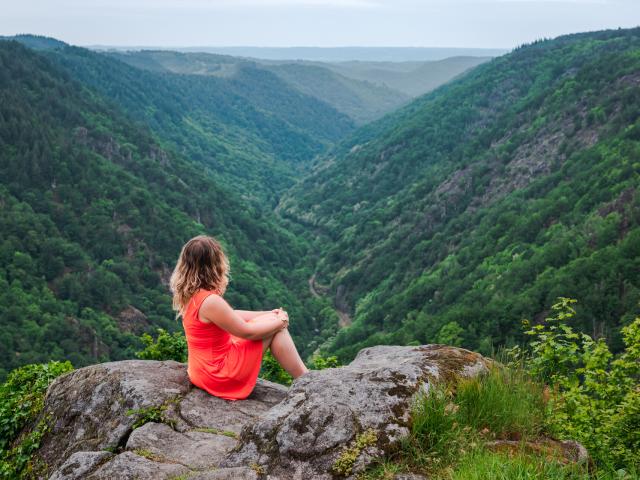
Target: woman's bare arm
247,315
216,310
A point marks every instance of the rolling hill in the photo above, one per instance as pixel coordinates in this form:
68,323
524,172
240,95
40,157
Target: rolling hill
362,101
364,91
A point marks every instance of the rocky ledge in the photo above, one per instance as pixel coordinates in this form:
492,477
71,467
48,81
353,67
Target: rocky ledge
144,420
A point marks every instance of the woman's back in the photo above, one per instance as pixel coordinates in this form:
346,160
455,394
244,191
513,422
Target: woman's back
218,362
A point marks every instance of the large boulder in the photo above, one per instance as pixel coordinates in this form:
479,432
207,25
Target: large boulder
335,422
143,419
98,428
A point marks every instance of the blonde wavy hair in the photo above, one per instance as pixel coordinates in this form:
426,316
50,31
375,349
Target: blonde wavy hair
202,264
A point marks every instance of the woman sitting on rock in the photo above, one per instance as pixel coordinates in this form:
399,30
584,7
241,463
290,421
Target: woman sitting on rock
225,346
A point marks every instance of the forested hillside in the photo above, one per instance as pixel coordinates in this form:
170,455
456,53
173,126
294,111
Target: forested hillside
478,204
364,91
361,101
94,212
252,131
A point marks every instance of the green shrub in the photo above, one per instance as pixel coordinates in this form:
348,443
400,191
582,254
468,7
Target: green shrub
597,393
271,370
165,347
21,402
320,362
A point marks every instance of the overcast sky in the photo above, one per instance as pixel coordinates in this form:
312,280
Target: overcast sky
328,23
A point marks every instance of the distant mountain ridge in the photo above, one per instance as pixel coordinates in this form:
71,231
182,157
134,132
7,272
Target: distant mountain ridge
329,54
363,90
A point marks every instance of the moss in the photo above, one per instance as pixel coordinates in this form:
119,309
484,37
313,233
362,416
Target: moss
344,464
452,361
155,414
184,476
148,454
259,469
226,433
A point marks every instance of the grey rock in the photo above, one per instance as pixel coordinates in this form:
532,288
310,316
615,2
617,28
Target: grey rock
129,466
233,473
80,464
197,450
198,406
326,410
94,408
90,404
574,451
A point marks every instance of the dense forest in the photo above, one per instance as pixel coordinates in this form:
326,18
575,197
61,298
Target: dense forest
477,205
450,220
251,131
94,212
360,100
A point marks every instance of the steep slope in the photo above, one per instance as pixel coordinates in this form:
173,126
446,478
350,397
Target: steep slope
253,131
476,205
94,212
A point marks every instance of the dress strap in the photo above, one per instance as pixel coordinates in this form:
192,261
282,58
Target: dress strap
199,297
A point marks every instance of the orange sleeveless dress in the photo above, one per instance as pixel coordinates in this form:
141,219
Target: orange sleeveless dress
218,362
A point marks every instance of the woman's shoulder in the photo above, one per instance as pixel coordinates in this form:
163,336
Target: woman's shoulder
200,296
211,298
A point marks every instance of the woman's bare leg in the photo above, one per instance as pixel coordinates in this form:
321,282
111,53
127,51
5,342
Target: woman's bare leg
285,352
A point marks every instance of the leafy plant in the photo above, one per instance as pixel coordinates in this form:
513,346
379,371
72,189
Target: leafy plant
166,346
596,393
320,362
21,402
271,370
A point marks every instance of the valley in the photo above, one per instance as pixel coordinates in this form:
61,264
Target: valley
380,202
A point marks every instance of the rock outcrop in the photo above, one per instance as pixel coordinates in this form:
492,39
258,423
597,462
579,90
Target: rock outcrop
143,419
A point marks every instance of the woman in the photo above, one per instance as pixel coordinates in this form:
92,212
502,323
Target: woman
225,346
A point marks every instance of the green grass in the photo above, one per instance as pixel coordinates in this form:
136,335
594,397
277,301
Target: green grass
506,402
482,465
451,424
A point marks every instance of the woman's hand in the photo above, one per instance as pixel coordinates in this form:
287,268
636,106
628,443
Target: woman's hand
282,315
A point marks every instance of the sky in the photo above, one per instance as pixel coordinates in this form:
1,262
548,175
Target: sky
324,23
